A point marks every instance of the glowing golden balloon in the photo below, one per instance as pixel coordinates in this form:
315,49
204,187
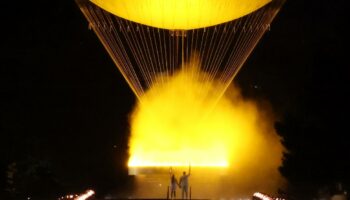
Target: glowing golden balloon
180,14
184,116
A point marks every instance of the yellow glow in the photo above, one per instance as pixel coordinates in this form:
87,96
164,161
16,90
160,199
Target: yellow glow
180,14
183,122
144,163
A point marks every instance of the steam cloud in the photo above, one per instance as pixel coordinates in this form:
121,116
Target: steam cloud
186,119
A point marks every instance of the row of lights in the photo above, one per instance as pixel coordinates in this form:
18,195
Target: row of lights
265,197
69,196
84,196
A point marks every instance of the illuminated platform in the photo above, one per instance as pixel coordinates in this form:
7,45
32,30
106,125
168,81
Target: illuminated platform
177,170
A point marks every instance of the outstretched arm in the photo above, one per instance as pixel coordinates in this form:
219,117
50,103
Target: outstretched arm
170,170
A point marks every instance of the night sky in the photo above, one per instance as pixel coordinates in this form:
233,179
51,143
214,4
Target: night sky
64,106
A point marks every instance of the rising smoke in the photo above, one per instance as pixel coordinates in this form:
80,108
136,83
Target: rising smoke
230,142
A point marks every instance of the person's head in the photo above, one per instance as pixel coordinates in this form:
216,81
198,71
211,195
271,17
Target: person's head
184,173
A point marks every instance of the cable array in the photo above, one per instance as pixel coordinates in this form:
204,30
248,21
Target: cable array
147,56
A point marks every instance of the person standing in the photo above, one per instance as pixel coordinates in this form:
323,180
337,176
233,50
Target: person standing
184,184
173,185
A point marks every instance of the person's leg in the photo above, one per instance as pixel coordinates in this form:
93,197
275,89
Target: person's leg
183,192
186,192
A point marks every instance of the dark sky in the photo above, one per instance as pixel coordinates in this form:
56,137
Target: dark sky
64,101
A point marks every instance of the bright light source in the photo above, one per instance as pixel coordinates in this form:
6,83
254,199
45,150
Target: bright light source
181,123
262,196
86,195
180,14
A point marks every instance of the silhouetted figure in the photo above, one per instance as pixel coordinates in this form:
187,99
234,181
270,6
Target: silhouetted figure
173,185
184,184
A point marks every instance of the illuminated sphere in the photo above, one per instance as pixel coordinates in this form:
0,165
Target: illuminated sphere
180,14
